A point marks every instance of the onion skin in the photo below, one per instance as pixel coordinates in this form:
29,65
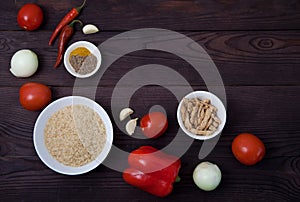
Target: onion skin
24,63
207,176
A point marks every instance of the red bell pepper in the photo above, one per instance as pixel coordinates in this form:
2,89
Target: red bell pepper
152,170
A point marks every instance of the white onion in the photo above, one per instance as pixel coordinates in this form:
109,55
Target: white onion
207,176
24,63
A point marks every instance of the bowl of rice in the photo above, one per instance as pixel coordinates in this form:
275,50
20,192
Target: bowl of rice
73,135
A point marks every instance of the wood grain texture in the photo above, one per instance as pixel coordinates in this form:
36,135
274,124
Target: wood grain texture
242,58
248,108
255,46
35,182
171,14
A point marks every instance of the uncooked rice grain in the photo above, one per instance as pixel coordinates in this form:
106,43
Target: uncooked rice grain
75,135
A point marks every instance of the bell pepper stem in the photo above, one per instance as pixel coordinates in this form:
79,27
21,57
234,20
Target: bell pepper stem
177,179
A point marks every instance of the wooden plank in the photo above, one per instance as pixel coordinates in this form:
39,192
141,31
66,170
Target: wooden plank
24,178
255,45
243,58
171,14
268,112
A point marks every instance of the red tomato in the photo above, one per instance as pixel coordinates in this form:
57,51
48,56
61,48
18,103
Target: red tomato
154,124
30,17
34,96
248,148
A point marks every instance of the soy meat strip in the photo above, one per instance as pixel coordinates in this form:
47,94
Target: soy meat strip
199,116
206,118
209,123
194,115
201,132
182,111
188,124
217,120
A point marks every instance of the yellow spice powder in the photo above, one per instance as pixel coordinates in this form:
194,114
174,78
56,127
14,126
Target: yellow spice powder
81,51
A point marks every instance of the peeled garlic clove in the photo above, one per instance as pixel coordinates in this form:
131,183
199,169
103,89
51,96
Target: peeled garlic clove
125,113
131,125
90,29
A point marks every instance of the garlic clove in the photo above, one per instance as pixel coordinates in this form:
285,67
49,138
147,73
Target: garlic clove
90,29
130,126
125,113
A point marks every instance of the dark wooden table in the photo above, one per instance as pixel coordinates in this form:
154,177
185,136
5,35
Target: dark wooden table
256,48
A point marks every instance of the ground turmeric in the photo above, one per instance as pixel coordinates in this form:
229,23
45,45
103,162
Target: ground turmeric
81,51
82,60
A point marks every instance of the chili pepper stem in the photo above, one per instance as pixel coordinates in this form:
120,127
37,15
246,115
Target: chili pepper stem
74,21
177,179
80,7
71,15
64,38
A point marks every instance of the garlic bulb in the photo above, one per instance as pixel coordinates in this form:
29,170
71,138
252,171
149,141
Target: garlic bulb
24,63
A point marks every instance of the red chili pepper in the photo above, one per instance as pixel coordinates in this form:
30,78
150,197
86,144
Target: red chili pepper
66,20
152,170
64,38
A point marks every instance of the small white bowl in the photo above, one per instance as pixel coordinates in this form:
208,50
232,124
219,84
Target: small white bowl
39,142
92,48
215,101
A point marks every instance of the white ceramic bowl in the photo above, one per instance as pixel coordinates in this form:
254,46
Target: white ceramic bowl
38,135
92,48
221,113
